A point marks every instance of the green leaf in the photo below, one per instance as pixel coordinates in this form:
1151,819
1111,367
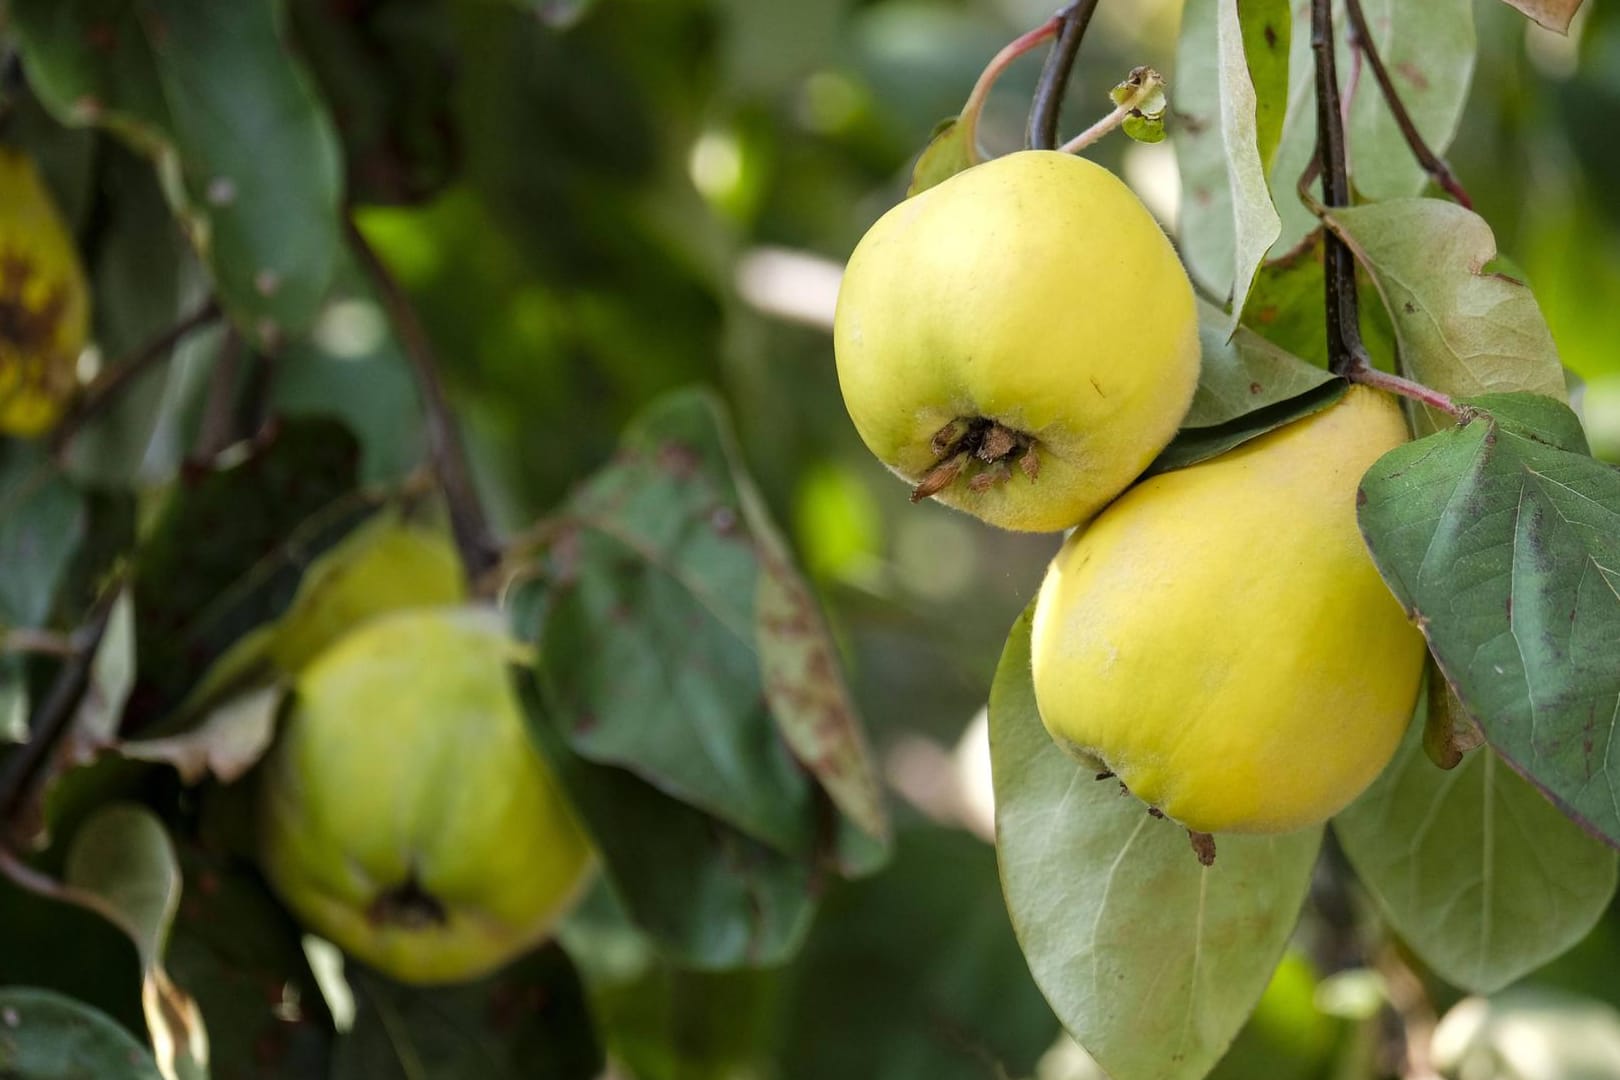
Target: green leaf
1192,445
1227,218
228,549
1285,308
948,152
682,644
59,945
1460,329
144,280
527,1021
1267,30
1506,551
212,95
1480,874
48,1036
42,521
238,951
1243,373
1429,51
712,897
912,968
122,854
1150,960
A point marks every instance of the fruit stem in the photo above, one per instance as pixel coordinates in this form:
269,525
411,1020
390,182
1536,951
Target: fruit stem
1433,164
1024,43
1041,133
474,539
1367,375
1151,83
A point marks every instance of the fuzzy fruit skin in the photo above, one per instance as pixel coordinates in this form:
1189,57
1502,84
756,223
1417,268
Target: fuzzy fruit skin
1035,290
404,759
44,302
1220,638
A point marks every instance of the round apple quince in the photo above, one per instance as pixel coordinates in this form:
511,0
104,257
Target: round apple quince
1220,640
44,302
405,813
1018,341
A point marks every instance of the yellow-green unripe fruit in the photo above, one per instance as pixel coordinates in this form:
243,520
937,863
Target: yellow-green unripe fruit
1033,292
44,302
405,814
1220,639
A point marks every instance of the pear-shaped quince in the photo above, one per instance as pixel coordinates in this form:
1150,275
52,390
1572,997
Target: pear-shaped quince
44,302
1019,341
404,812
1220,639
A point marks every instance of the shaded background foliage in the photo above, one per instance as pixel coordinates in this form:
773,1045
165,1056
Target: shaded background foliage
593,203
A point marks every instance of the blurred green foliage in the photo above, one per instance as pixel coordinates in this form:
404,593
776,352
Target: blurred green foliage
593,203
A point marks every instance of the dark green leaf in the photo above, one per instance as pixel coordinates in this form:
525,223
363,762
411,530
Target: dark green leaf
56,944
1192,445
527,1022
918,972
42,521
249,159
1243,373
681,643
1481,875
229,548
47,1036
239,953
709,895
1150,960
1506,550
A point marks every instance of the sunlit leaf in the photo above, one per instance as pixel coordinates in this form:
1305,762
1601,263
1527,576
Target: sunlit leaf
1481,876
1227,218
1506,550
1461,328
1150,960
1429,51
946,154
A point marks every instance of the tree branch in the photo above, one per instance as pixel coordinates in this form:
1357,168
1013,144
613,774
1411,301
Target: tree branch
479,552
116,378
1043,114
1345,350
1438,170
25,768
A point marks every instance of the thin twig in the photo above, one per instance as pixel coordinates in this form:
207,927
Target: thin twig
116,378
475,541
1023,43
1043,114
1438,170
22,774
1151,84
22,639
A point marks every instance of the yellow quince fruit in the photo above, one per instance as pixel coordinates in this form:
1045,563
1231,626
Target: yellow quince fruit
44,302
1018,341
405,813
1220,639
